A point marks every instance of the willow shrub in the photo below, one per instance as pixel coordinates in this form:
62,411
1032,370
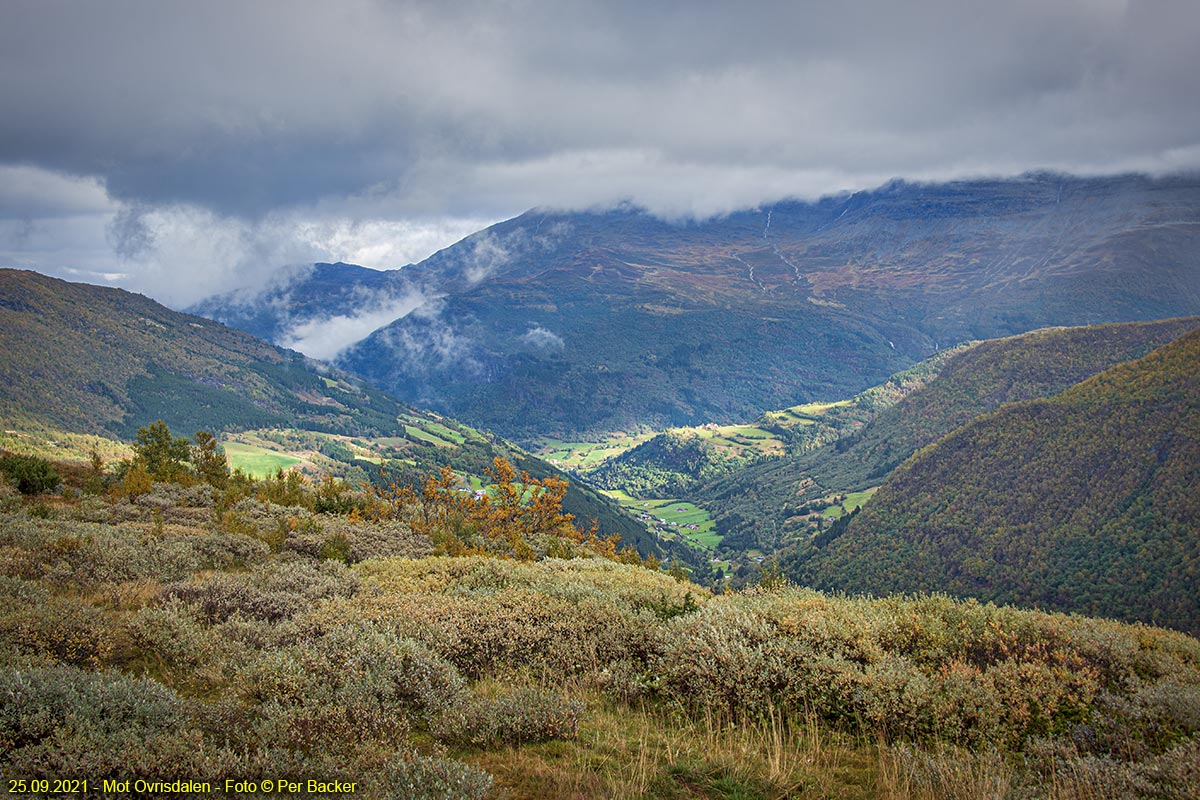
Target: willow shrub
273,591
491,617
85,555
514,716
927,668
346,686
59,720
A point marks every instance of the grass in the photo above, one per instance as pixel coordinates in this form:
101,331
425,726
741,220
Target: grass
854,500
625,752
257,461
438,429
586,455
680,512
58,445
805,414
739,440
429,437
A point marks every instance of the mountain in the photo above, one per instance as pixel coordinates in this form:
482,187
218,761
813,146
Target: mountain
106,361
950,392
296,296
88,359
1088,501
579,323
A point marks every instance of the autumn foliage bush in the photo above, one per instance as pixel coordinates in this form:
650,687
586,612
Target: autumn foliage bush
151,637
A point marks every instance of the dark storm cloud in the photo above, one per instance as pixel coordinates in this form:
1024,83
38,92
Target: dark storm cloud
246,107
252,112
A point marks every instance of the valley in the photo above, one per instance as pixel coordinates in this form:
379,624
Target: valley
1052,468
404,400
573,325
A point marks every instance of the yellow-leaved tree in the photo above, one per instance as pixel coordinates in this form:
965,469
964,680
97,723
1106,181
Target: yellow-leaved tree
517,516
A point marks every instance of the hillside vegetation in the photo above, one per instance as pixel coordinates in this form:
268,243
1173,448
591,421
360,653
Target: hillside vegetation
95,360
263,631
84,367
948,392
1085,501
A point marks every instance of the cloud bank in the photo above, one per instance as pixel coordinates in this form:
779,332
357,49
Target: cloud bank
188,147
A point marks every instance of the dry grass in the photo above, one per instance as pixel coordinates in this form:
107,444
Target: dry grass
942,773
625,753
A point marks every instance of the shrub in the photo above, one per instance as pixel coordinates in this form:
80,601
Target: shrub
171,642
515,629
10,498
86,555
574,580
59,721
418,777
336,548
918,669
65,630
355,542
517,716
347,685
274,591
15,592
29,474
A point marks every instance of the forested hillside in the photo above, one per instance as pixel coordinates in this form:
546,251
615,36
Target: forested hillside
76,358
1088,501
105,361
968,384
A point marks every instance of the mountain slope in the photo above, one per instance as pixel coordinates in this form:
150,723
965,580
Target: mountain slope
969,384
105,361
1088,501
89,359
586,322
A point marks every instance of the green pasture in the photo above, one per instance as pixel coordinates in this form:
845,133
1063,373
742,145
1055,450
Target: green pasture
257,461
853,501
740,439
585,455
438,429
429,437
677,511
804,414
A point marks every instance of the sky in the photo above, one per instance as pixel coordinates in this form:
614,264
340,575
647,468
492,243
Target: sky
181,149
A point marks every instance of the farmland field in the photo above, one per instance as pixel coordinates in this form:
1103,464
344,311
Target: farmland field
853,501
662,513
257,461
429,437
585,455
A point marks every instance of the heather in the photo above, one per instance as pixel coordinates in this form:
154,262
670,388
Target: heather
241,633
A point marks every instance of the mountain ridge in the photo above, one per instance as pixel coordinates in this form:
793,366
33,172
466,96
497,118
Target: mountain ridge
971,383
655,323
1085,501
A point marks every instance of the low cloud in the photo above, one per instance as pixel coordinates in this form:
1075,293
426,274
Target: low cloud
181,254
439,118
486,254
428,341
540,338
326,338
